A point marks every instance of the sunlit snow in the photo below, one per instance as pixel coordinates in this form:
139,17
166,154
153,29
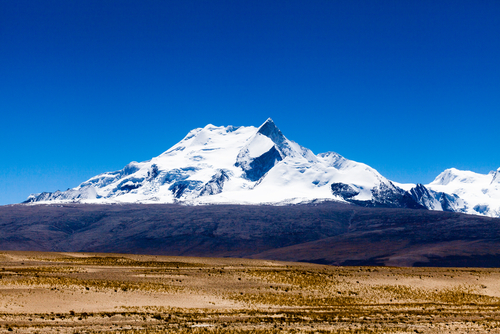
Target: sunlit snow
249,165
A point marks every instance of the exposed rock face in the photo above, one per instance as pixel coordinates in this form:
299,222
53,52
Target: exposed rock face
425,197
257,167
180,187
343,190
437,200
450,203
215,185
263,152
383,196
390,196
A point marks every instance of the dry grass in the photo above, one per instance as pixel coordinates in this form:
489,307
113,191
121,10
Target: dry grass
41,270
305,279
227,296
292,300
97,284
123,261
457,295
208,330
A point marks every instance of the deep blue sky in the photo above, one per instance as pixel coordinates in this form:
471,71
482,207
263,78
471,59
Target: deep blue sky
408,87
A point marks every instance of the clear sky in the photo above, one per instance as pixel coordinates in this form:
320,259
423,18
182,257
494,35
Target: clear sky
408,87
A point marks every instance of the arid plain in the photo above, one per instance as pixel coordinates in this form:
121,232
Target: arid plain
118,293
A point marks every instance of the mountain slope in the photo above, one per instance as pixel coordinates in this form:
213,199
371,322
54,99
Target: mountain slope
328,232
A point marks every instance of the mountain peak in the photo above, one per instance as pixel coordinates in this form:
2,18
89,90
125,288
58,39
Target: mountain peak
446,176
270,130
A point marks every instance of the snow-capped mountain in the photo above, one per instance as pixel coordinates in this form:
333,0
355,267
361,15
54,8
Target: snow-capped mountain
480,193
434,200
249,165
238,165
460,191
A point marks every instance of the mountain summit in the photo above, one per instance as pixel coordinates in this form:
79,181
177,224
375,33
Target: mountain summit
270,130
249,165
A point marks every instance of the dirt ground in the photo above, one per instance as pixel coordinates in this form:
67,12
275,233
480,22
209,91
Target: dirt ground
118,293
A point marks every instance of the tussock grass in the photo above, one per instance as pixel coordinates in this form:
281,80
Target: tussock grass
462,296
221,330
401,292
459,295
300,278
124,262
44,269
283,299
170,270
97,284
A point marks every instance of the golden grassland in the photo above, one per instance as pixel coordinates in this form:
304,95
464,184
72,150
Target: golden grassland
117,293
